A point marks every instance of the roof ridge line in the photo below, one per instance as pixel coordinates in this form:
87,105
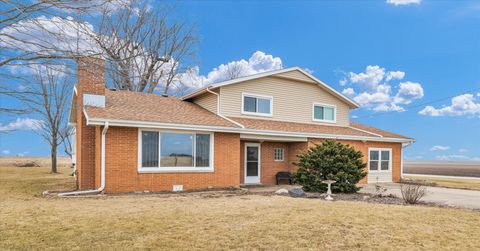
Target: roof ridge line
365,131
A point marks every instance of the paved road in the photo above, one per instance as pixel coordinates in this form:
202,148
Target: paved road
448,196
446,168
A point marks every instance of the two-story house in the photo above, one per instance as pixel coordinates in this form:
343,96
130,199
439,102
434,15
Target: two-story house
236,132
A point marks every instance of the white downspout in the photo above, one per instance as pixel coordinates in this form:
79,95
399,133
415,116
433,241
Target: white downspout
218,109
102,169
401,158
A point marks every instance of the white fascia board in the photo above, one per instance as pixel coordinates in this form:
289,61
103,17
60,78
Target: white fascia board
143,124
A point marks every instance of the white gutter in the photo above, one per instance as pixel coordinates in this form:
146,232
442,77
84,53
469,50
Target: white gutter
218,109
401,157
102,170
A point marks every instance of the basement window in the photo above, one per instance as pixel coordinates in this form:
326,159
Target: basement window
164,151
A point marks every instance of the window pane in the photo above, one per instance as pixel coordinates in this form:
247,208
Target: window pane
249,104
263,105
176,149
318,112
384,165
149,149
252,168
203,150
278,153
329,113
252,153
385,155
373,165
374,155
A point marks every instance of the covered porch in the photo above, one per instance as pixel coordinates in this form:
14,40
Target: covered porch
262,157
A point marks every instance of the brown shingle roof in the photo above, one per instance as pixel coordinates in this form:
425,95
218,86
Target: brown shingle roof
134,106
378,131
271,125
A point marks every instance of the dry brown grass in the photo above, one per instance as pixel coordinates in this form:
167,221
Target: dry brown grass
199,222
452,183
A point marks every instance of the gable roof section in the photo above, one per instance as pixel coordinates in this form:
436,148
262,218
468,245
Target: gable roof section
281,73
134,106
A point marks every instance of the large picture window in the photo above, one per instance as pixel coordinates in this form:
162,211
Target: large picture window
380,159
324,113
257,105
175,151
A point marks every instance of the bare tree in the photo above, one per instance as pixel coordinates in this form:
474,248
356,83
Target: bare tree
48,96
235,71
144,46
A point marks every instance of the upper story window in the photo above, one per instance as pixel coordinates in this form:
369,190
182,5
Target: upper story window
324,113
256,104
175,151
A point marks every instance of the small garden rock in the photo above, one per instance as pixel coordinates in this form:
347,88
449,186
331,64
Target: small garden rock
281,191
296,192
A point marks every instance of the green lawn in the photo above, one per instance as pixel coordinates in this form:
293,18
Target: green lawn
215,221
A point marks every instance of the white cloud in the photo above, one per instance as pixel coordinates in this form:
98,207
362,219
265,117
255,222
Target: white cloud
457,157
465,104
372,89
6,152
21,124
349,92
439,148
50,36
462,150
395,75
259,62
408,91
369,79
403,2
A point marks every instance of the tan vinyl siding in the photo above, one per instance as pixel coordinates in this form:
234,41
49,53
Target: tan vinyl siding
296,75
207,101
292,100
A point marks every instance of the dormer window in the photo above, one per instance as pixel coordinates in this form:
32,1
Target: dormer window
324,113
254,104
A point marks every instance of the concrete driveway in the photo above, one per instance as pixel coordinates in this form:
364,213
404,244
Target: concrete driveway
447,196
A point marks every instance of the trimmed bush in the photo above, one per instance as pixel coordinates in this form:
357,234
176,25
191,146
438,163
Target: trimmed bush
330,160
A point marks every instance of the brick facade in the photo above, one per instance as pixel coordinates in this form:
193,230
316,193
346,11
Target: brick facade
122,166
269,167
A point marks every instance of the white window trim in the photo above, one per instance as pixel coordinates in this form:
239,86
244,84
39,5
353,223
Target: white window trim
324,120
177,168
275,155
244,94
380,159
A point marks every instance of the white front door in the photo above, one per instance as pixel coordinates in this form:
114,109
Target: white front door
252,163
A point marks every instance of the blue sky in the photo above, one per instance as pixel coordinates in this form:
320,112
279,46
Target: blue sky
431,44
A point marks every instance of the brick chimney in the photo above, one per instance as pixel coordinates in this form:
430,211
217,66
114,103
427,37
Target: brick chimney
90,92
91,75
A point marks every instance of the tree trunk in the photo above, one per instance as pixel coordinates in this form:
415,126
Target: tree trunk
54,159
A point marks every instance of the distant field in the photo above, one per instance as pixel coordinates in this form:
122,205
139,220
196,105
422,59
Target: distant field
445,168
42,161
